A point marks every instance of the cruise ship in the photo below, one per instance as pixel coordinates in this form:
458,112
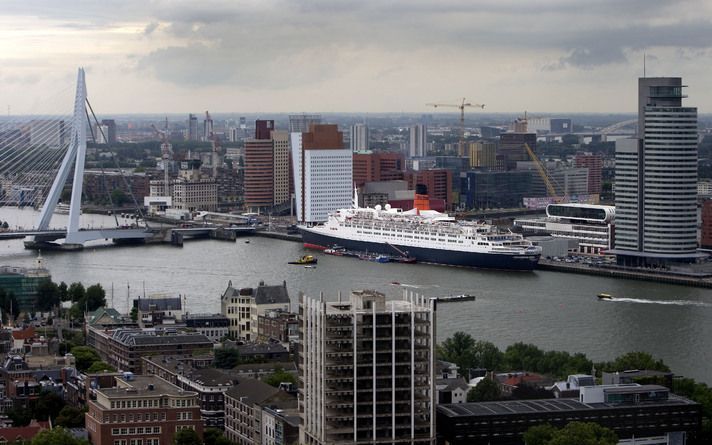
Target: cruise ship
427,235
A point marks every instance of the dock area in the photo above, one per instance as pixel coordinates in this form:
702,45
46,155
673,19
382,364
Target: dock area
702,280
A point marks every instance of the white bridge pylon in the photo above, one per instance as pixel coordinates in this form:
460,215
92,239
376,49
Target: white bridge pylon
76,154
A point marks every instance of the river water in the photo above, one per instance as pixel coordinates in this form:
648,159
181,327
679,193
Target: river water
550,309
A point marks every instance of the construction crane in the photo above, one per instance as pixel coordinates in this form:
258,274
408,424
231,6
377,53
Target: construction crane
550,189
166,154
461,106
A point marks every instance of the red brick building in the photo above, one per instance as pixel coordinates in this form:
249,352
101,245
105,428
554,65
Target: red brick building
706,238
594,164
438,182
369,167
141,409
259,167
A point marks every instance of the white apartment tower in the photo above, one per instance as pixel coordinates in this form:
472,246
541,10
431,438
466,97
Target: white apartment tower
366,370
656,179
417,141
359,137
323,173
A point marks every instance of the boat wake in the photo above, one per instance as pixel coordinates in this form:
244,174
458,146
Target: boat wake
664,302
414,286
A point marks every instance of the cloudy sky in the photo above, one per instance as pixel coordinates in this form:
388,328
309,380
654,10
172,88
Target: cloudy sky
362,55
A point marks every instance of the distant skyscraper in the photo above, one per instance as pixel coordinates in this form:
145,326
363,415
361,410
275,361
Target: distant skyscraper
280,142
367,367
323,172
594,164
207,127
301,123
259,167
656,179
111,126
52,133
483,154
417,141
193,127
359,137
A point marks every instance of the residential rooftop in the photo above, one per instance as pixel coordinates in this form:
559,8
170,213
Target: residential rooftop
132,386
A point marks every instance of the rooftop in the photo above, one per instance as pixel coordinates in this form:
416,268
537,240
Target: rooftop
159,304
143,337
543,405
140,385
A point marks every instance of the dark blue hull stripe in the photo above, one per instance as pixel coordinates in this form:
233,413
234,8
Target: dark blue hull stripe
428,255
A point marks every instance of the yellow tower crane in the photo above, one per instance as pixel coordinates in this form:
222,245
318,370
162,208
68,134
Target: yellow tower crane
550,189
461,106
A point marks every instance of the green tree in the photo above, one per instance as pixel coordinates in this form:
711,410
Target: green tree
279,376
48,406
63,291
70,417
637,360
95,297
47,295
539,434
458,349
100,366
85,356
57,436
214,436
226,358
76,292
134,313
8,304
186,437
485,391
20,416
118,197
584,433
523,357
487,355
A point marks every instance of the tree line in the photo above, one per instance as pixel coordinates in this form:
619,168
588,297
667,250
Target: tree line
468,353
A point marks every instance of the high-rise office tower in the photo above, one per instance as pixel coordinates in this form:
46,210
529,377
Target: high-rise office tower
323,172
594,164
300,123
483,154
111,126
280,142
359,137
207,127
259,167
656,179
367,370
417,141
192,127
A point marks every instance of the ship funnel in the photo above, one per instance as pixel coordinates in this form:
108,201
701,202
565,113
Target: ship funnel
421,200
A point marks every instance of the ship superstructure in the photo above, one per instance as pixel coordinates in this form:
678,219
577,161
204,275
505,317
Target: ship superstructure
428,235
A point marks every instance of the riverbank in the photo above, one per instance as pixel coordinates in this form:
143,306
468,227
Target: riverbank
614,272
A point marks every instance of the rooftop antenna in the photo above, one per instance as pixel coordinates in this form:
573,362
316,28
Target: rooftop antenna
644,57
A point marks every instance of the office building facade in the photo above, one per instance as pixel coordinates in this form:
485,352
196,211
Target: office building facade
417,141
656,179
366,369
483,154
594,164
300,123
323,173
358,137
377,166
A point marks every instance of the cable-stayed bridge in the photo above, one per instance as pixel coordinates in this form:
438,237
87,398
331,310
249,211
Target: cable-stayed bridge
29,175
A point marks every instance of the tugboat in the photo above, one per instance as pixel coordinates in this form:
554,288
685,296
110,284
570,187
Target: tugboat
603,296
306,259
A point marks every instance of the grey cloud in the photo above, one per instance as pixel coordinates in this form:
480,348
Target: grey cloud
148,30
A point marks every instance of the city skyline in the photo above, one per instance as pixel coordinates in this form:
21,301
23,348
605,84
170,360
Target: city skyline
353,57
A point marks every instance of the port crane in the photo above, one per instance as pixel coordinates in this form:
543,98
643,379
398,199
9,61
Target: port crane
461,106
166,154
